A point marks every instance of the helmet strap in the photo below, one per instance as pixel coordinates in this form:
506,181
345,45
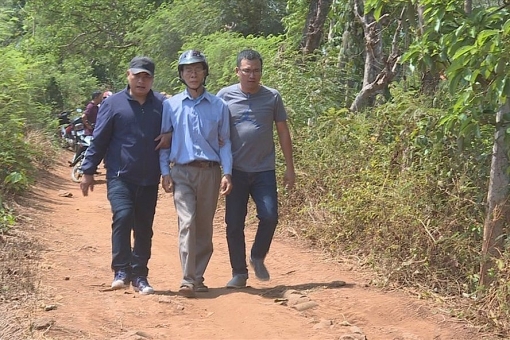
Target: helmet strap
190,88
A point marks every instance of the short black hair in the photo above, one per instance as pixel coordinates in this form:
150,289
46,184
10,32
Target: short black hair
248,54
95,94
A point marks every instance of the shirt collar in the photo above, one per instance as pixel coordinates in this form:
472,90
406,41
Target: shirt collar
205,95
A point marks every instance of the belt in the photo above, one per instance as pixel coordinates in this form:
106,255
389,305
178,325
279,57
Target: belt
203,164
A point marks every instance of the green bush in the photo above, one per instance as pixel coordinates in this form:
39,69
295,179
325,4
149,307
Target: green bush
388,185
21,113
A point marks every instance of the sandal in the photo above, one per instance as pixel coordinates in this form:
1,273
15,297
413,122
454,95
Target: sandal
201,288
187,291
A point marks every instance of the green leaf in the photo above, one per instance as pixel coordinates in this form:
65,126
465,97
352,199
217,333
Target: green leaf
377,12
505,90
474,76
455,66
437,26
13,178
506,27
484,35
463,50
454,82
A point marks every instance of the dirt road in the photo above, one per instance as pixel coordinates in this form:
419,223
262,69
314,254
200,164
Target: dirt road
308,296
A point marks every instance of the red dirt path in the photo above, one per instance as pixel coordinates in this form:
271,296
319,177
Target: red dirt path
75,276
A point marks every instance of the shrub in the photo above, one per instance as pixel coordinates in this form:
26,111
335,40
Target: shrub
389,186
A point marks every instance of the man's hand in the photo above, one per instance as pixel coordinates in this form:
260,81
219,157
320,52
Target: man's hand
164,140
226,185
87,183
167,183
289,178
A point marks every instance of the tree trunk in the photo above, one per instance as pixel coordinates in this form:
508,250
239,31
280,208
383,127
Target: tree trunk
314,26
332,24
373,58
497,200
468,6
379,72
348,49
421,20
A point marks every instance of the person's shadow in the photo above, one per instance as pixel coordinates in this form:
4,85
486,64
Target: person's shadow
275,292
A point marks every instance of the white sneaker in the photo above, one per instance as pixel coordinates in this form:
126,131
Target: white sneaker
142,286
238,281
120,280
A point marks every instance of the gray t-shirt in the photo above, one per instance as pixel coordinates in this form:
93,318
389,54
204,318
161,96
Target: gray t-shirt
252,118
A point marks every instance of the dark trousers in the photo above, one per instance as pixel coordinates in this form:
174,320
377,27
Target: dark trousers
133,209
261,186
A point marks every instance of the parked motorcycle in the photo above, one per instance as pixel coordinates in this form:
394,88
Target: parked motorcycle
68,128
83,142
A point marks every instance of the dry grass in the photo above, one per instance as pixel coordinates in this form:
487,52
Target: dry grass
19,252
18,277
382,188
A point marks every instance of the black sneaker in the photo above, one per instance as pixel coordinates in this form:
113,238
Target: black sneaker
120,280
141,285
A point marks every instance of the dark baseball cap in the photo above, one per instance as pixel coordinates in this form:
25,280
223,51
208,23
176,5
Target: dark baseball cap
142,64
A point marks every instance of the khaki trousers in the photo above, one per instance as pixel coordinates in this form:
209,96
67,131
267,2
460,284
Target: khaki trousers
196,192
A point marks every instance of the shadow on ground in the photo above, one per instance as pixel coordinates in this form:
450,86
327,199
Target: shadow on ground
275,292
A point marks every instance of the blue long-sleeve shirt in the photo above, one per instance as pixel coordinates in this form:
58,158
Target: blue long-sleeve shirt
198,126
124,135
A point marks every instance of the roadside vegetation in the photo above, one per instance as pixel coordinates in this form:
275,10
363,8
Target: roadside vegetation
398,181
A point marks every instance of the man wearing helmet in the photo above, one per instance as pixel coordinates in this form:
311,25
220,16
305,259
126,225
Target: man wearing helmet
199,120
107,94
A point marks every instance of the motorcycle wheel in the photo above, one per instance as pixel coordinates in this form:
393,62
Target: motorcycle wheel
76,173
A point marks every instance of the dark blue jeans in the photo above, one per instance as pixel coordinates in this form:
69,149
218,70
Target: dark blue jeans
133,209
261,186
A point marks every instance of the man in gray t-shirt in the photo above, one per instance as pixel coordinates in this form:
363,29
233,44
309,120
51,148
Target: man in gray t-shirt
254,110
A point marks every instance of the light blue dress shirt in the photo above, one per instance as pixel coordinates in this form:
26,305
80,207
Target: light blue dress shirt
198,126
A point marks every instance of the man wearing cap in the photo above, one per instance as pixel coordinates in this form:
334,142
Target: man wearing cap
127,135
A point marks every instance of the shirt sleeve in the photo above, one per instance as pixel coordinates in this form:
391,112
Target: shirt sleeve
166,126
226,149
280,114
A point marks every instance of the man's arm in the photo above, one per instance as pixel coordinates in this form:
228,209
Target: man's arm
224,141
225,151
85,120
165,138
286,145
